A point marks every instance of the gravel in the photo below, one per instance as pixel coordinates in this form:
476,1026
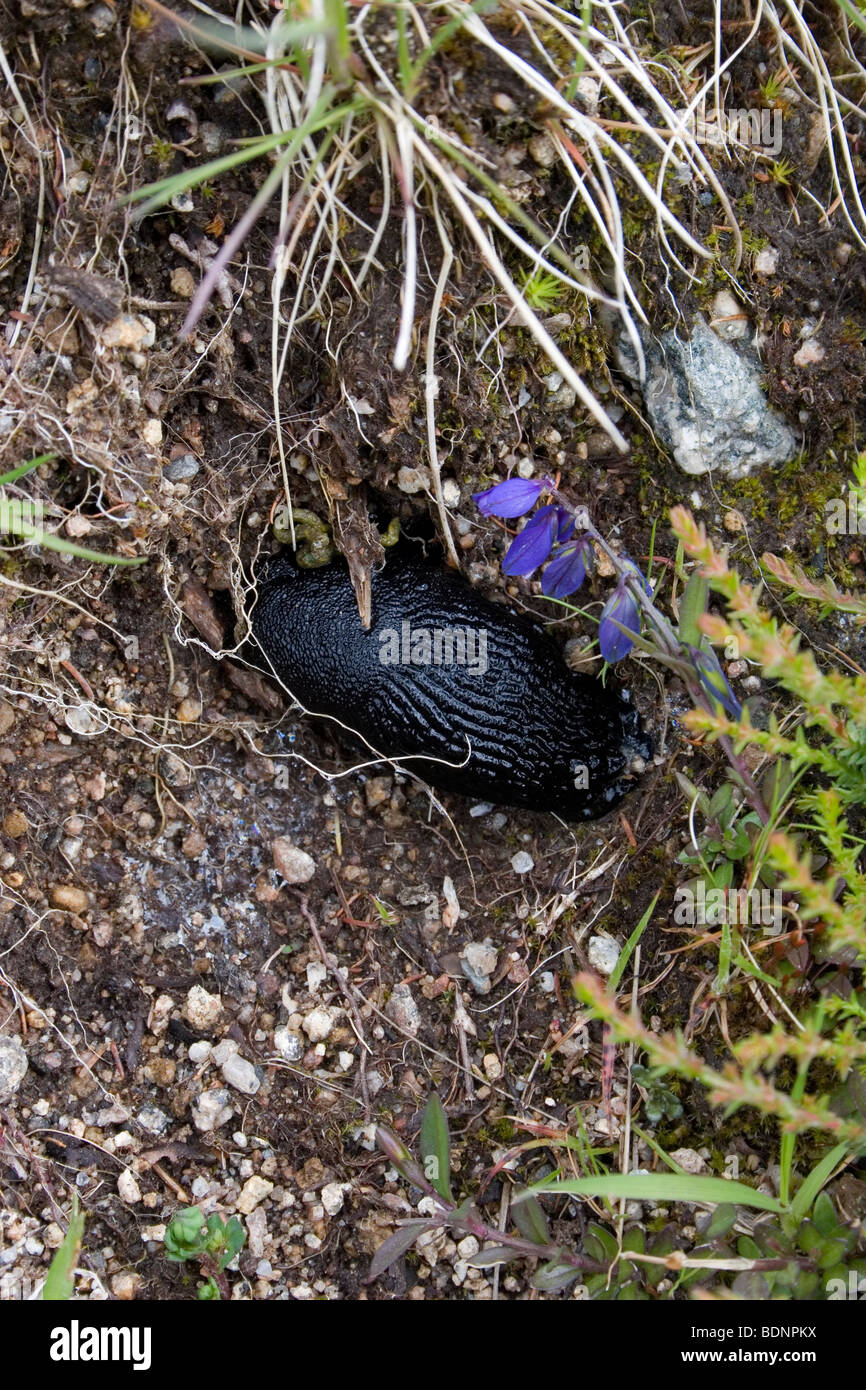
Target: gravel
212,1109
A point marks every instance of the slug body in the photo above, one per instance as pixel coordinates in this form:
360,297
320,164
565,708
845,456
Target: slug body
443,673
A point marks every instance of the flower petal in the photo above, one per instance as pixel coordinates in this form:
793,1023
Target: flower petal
514,497
532,547
621,607
565,573
637,573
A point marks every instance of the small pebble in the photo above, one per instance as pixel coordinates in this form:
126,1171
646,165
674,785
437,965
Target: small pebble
295,865
102,19
68,898
729,320
333,1195
492,1066
13,1065
15,824
542,147
478,961
766,261
180,470
603,954
809,354
240,1074
318,1024
412,480
127,1188
202,1010
689,1160
402,1010
522,863
254,1190
153,1119
182,282
212,1109
288,1044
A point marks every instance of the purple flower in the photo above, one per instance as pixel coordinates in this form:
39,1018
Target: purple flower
532,547
568,569
636,573
621,607
515,497
714,682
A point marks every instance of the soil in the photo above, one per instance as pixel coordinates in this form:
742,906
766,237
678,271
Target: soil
144,779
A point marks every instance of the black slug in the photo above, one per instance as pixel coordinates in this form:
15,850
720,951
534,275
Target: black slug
444,673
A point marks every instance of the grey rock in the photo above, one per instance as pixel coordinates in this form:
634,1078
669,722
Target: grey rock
402,1009
212,1109
522,863
13,1065
154,1119
240,1074
288,1044
182,469
102,19
212,137
478,962
705,402
603,953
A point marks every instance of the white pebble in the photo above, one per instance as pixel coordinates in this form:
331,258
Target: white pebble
201,1009
240,1074
295,865
127,1188
603,954
522,863
318,1024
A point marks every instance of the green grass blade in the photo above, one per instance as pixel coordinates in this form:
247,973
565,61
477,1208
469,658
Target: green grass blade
165,189
52,542
808,1190
59,1283
662,1187
692,605
627,951
23,468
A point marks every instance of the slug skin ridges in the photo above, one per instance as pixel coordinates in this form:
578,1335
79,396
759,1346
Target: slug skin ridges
541,736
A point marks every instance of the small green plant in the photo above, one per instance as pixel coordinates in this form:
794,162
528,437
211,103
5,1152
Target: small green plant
213,1243
162,151
541,291
797,1249
782,172
773,86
